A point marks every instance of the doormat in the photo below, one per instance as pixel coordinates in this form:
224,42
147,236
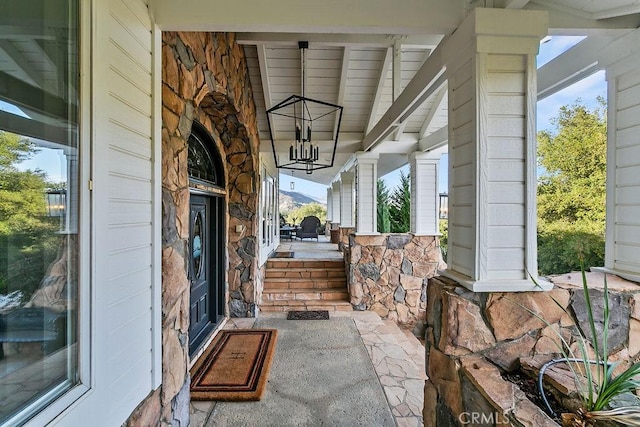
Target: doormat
286,254
308,315
235,367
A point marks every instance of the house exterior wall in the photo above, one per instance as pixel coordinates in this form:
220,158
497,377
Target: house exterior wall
621,61
120,323
205,79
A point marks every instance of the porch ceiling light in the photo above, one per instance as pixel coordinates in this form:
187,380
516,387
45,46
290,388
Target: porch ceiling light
298,118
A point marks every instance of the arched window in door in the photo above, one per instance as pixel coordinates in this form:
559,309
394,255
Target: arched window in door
204,163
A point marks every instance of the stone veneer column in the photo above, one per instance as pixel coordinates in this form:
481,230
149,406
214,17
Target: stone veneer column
346,199
424,193
622,64
491,69
366,194
335,202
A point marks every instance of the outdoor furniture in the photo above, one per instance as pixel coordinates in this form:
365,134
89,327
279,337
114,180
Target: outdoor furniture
33,324
308,228
287,232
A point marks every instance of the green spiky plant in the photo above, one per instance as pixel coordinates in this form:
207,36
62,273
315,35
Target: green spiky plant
598,390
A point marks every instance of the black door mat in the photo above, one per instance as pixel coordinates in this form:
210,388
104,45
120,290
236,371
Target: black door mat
282,255
308,315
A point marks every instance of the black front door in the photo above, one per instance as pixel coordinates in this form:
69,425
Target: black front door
205,267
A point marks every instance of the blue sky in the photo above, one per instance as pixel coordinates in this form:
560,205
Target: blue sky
586,90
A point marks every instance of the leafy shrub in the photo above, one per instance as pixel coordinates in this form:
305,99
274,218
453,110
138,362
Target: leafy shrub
562,246
443,226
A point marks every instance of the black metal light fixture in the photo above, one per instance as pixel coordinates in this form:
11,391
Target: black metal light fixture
444,205
304,153
56,203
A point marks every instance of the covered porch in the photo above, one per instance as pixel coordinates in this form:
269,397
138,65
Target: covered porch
158,112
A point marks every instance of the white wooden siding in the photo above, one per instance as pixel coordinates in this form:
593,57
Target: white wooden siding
506,87
366,171
626,223
123,170
424,195
346,199
335,202
130,195
462,172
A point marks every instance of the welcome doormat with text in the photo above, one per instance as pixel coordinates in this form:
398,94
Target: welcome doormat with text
235,367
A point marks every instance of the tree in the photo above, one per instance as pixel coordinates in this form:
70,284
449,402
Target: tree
400,206
384,220
571,191
22,202
27,235
573,186
315,209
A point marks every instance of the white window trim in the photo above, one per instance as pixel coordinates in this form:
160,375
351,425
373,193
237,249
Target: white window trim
268,172
85,242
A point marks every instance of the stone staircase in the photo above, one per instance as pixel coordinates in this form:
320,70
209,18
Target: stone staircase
304,285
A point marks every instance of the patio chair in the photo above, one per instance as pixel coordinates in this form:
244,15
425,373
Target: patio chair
308,228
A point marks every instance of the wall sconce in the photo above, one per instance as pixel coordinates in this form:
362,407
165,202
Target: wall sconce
292,185
56,203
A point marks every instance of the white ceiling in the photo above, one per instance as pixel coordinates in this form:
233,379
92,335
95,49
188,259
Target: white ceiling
357,72
359,57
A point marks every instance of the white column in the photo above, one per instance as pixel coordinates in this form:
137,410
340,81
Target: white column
424,193
335,202
621,61
491,71
329,204
346,199
366,195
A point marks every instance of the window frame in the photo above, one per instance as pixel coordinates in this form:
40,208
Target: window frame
85,360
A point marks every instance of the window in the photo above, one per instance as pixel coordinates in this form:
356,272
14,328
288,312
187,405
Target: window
39,204
269,222
201,164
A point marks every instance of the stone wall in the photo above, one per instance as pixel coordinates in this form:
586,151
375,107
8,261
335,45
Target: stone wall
388,274
345,232
204,78
473,338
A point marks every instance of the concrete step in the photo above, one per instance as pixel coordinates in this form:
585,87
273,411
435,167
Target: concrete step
304,285
299,305
305,295
310,283
289,263
305,273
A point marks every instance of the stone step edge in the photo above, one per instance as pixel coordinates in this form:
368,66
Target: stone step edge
305,279
325,270
300,263
278,287
284,308
310,296
305,290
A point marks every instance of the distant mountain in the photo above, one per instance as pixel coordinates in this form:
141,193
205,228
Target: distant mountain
290,200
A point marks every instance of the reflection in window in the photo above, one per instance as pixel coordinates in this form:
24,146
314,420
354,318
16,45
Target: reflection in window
38,204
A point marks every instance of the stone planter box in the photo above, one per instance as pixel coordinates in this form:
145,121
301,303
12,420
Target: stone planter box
472,338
